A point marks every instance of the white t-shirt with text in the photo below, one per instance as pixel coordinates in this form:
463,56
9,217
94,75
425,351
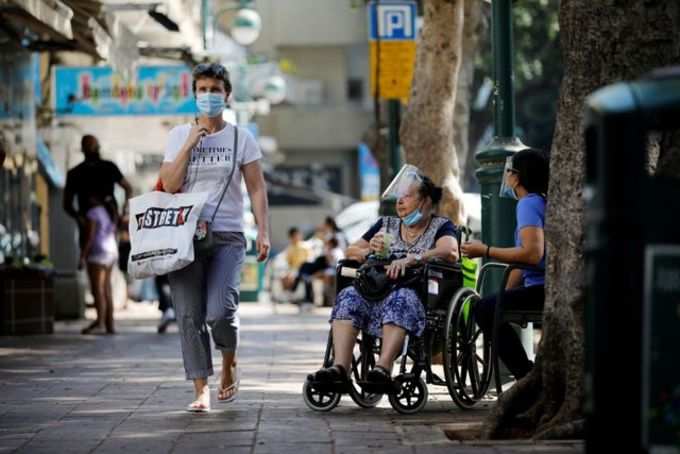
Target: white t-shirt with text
209,168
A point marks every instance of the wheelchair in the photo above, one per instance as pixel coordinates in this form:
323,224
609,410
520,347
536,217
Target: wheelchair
448,299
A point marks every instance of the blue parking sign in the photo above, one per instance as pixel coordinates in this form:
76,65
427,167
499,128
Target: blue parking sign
392,20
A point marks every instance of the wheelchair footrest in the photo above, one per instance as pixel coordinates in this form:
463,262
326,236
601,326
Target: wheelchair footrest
379,388
341,387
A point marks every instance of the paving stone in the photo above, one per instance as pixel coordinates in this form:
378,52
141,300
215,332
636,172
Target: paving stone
135,445
61,446
127,393
225,441
293,448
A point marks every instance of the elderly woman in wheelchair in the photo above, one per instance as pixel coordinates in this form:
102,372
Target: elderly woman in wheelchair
399,245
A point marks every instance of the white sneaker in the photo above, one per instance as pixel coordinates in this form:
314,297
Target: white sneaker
169,314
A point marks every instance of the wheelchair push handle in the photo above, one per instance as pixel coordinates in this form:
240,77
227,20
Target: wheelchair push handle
346,271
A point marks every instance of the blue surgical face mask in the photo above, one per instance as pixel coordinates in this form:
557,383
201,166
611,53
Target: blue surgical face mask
210,104
413,218
508,192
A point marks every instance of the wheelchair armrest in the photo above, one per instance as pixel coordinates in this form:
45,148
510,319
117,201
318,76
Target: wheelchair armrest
507,269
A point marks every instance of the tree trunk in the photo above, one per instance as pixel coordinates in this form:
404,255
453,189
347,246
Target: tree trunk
602,42
474,30
426,132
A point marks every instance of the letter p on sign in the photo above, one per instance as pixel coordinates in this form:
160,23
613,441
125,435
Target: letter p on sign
392,20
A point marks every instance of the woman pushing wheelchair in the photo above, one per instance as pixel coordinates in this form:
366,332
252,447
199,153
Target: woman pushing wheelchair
402,242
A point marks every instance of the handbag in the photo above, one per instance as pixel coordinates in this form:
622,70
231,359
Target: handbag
373,284
164,229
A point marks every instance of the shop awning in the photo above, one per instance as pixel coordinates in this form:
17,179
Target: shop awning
50,13
43,25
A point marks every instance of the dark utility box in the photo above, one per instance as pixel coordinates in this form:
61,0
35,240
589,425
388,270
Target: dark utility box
632,251
26,301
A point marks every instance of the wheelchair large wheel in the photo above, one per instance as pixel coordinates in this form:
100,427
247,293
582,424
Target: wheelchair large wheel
467,359
364,360
412,394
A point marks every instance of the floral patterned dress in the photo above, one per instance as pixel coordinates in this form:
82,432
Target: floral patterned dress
401,307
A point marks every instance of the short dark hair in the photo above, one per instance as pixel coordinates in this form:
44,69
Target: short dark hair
429,189
292,231
88,142
333,242
533,170
212,71
329,221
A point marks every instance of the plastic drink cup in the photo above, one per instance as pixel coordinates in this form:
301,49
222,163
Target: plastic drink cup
387,243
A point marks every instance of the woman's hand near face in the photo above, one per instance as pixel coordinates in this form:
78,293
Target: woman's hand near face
473,249
196,133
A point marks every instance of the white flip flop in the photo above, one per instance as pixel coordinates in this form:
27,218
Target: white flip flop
191,408
234,386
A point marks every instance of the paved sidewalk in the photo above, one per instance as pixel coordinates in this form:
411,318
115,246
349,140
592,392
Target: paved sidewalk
68,393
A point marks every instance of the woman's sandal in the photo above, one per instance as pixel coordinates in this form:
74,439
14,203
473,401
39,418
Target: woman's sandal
332,374
379,376
198,407
233,387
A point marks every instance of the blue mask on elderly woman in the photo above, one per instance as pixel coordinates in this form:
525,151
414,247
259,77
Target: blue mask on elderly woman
413,218
210,104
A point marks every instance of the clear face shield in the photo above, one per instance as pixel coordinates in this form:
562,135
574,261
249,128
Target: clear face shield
506,191
407,180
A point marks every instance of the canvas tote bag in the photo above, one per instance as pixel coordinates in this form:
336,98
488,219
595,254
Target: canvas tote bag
162,228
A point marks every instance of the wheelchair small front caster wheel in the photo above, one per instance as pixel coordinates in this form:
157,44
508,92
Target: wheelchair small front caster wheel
319,400
412,395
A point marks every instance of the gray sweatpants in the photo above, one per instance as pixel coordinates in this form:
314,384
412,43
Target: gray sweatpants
207,292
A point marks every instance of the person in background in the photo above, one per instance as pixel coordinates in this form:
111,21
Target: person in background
98,255
296,254
526,180
92,179
333,231
164,303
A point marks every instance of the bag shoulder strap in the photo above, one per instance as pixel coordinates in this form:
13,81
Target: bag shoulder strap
231,174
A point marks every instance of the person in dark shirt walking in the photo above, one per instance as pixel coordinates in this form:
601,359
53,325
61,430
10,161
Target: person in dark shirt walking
92,179
91,183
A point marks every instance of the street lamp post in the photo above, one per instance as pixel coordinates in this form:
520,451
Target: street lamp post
498,214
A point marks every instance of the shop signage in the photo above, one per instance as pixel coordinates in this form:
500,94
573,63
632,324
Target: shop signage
98,91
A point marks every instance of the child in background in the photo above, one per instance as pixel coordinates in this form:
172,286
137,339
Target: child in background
99,254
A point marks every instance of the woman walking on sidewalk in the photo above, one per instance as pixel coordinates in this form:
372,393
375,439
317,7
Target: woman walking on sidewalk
212,156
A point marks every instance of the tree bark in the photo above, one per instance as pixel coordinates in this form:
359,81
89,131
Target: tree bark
602,42
475,27
426,133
